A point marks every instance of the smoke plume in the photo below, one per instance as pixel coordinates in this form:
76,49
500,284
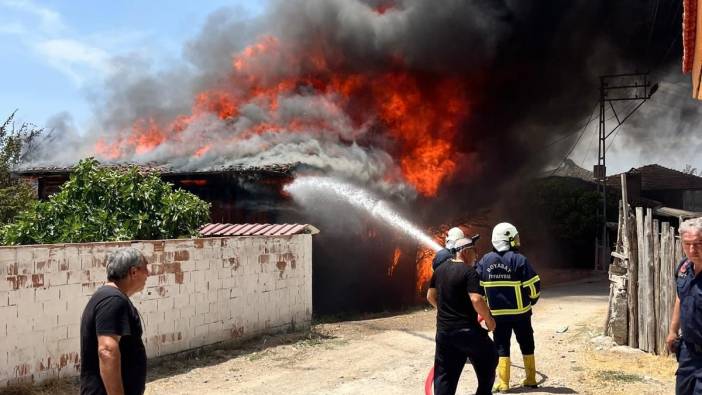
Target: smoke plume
406,95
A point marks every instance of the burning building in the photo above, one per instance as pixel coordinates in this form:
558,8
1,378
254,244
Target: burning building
441,109
379,275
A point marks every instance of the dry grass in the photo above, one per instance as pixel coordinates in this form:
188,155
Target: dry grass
50,387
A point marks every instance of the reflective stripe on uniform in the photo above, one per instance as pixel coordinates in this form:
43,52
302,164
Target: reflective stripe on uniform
511,311
531,281
532,288
516,286
499,283
532,292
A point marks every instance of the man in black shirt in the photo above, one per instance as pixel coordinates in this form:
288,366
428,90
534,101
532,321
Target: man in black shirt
113,357
456,293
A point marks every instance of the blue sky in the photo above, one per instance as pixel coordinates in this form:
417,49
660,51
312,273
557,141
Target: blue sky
55,55
55,52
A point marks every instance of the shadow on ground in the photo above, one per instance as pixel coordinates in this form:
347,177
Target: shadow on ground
183,362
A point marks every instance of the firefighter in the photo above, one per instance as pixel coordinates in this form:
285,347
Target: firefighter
448,251
456,294
511,288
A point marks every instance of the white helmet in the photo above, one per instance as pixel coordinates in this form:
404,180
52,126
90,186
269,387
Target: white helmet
453,235
504,237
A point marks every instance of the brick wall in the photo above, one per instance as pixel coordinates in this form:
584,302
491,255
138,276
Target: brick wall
200,291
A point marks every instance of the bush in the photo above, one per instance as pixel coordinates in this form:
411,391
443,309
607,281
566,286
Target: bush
15,142
103,204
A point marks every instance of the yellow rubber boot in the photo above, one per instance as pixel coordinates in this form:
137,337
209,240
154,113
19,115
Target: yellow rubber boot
530,370
502,381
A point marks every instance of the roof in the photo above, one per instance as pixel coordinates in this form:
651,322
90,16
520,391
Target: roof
162,169
220,229
674,212
656,177
570,169
689,31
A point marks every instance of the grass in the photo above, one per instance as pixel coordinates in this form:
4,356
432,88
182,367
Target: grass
49,387
616,376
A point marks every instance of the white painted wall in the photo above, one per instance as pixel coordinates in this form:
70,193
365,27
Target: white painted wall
200,292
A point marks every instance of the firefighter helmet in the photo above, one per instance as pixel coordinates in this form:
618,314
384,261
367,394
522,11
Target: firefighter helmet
453,235
505,236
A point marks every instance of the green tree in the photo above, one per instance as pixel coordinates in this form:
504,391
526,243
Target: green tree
566,211
15,141
106,204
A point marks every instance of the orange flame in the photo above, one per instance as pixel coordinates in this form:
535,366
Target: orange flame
424,270
395,260
421,115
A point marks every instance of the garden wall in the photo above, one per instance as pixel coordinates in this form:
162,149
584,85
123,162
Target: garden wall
199,292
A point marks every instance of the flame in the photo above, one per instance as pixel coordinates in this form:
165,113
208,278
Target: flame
424,270
202,150
421,115
395,260
197,182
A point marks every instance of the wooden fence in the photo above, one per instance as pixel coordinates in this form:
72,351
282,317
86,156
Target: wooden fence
642,282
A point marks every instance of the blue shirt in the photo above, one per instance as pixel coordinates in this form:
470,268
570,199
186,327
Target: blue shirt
689,288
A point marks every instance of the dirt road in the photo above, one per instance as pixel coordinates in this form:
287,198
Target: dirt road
393,355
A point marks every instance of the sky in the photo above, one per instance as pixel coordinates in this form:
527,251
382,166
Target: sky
55,54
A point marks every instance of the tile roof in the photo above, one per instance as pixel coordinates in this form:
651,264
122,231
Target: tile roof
220,229
656,177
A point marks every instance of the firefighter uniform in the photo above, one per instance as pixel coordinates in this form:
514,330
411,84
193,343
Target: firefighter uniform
512,287
689,288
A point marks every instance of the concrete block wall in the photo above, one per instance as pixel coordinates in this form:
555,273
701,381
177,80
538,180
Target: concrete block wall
199,292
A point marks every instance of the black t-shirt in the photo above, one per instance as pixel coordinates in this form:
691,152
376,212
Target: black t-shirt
110,312
453,281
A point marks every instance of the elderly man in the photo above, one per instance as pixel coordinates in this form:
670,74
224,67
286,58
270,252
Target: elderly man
686,314
113,358
456,293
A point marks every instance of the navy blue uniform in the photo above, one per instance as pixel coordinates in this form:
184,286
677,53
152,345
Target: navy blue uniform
511,288
441,256
689,288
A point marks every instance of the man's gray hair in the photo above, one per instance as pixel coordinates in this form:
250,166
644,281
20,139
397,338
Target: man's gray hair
691,225
119,262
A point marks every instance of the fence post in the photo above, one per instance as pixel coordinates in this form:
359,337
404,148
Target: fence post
633,278
666,286
643,281
656,267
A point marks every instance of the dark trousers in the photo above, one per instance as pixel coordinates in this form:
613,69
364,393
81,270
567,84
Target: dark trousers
453,348
522,330
688,377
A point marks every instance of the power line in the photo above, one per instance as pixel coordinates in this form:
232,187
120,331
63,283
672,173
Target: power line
565,136
617,131
582,131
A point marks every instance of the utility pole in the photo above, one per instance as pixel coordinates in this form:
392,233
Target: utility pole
615,88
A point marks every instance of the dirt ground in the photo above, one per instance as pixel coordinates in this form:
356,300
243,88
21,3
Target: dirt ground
392,355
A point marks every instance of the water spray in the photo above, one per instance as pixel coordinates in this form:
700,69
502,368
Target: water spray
359,198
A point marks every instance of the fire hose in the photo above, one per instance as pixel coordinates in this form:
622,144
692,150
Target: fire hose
429,382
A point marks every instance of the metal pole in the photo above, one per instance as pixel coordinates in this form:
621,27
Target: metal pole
603,173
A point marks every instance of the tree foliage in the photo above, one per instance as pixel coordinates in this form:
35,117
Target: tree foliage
105,204
690,170
567,209
15,142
